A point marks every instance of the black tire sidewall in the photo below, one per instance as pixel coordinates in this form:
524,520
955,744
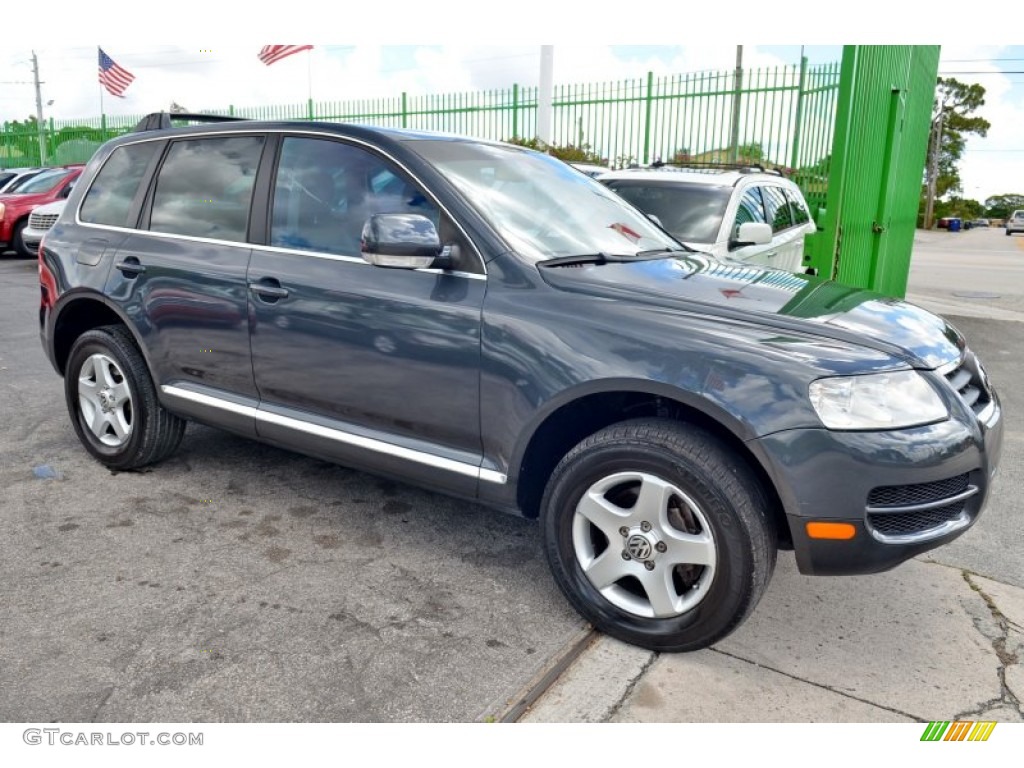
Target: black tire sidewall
91,343
725,603
18,240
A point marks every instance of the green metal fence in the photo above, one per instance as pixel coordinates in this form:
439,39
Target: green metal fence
781,116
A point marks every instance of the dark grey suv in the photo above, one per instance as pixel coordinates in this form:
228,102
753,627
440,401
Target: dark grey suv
485,321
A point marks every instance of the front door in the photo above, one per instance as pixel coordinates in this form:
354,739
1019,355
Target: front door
371,366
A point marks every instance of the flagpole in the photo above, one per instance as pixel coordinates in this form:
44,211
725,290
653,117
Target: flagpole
309,79
103,120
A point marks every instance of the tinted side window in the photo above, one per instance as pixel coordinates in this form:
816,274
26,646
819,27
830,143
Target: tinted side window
751,208
204,187
326,190
796,205
110,196
777,208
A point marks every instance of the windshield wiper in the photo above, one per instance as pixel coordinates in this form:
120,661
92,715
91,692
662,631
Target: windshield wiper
601,257
671,249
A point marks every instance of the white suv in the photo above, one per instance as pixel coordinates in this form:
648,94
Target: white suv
1015,223
745,215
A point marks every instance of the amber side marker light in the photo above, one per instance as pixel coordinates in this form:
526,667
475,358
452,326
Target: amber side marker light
831,530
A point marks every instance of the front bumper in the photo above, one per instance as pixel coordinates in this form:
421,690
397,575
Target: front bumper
904,491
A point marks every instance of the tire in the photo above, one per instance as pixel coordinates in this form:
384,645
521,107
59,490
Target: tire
676,499
113,404
18,240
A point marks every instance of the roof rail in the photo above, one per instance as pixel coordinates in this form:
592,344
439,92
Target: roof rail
161,121
741,167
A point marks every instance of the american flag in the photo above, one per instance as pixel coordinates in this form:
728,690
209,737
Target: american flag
113,77
273,53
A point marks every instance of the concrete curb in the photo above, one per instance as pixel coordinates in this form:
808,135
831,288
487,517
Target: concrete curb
923,642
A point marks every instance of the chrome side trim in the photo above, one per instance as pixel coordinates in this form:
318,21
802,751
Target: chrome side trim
950,526
213,402
971,490
493,476
348,438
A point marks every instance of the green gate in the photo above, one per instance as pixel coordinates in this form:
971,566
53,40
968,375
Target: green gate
878,151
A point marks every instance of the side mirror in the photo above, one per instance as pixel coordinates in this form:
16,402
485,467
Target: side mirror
752,233
66,192
403,241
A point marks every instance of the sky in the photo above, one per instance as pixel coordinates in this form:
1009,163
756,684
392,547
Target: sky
461,47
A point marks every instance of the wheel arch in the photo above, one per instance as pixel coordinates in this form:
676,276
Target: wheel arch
81,311
581,412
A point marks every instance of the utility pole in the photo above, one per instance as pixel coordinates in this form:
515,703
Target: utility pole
544,95
933,167
734,145
39,110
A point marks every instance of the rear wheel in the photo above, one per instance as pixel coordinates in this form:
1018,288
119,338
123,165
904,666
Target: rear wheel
113,404
658,534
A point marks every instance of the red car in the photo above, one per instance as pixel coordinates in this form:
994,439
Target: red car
48,186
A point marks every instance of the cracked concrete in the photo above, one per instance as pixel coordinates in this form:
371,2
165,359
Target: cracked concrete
923,642
1004,627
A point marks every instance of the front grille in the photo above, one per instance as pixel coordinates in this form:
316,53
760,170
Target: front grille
891,508
970,384
42,221
922,493
909,523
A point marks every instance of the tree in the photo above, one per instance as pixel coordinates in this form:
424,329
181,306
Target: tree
569,153
20,141
952,120
1001,206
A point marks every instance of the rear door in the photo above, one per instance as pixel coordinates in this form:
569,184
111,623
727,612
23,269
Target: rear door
787,247
181,277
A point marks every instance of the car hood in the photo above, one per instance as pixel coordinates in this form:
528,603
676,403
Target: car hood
35,198
771,297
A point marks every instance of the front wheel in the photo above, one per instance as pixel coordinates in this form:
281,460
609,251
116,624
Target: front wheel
658,534
113,404
18,240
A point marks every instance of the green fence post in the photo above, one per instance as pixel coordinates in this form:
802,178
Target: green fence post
515,111
51,147
647,118
103,126
405,110
231,110
310,108
798,119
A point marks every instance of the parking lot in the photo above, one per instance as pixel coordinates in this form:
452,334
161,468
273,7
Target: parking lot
239,582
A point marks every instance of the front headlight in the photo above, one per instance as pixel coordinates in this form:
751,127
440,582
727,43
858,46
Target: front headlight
876,401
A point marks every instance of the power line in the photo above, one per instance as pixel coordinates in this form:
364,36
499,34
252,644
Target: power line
982,72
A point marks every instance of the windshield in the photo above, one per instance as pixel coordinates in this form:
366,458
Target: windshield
44,182
541,206
691,212
18,183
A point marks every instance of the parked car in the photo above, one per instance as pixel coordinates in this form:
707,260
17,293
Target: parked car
46,187
519,336
39,223
744,215
12,178
589,169
1015,223
982,223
